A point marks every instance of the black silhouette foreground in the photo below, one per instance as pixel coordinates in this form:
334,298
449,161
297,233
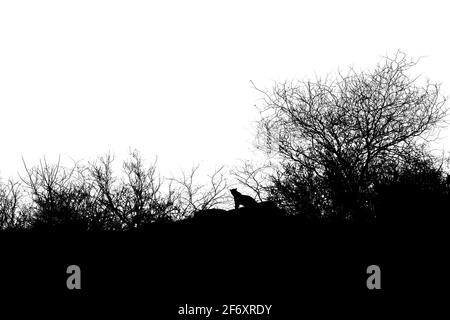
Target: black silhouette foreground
257,213
355,185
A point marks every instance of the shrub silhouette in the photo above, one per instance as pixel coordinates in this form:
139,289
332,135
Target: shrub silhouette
354,149
14,214
90,197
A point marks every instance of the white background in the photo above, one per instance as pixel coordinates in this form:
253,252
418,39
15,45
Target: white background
171,78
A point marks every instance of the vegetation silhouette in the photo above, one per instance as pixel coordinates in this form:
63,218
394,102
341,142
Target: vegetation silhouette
342,142
354,149
346,159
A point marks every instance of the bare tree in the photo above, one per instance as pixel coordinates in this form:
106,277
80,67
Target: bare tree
345,131
136,199
105,194
59,194
142,195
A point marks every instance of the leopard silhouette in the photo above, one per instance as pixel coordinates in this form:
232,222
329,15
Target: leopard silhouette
242,199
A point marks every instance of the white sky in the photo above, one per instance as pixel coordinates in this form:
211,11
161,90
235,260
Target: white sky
171,78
